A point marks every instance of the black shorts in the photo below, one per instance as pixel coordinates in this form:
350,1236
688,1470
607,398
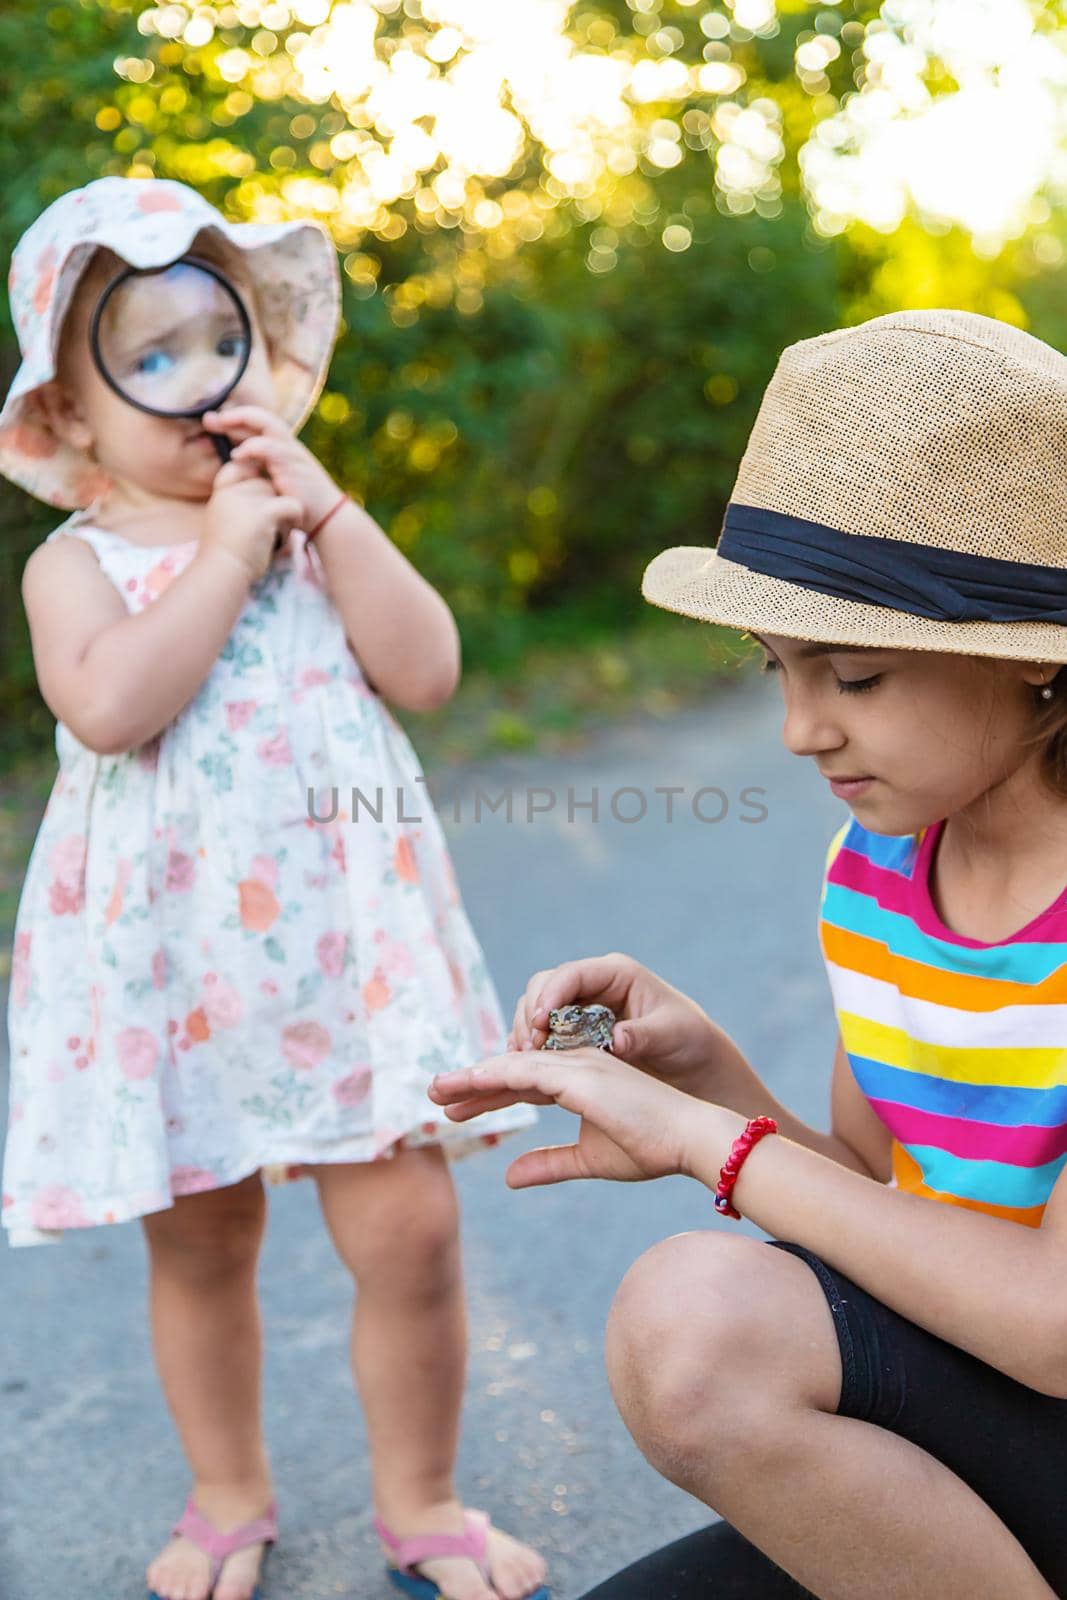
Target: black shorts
1006,1441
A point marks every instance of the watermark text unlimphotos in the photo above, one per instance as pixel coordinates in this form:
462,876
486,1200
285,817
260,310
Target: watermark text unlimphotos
628,804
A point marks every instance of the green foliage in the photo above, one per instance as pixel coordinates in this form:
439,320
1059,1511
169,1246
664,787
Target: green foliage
546,448
547,371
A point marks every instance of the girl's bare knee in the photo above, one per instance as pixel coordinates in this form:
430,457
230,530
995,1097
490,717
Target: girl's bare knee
209,1236
662,1337
701,1325
396,1222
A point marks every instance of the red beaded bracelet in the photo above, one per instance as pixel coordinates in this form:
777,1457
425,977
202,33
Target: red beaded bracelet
324,520
754,1132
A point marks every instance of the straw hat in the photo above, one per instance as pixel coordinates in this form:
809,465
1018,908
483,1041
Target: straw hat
150,222
904,485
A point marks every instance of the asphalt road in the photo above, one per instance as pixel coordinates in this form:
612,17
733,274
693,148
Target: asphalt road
91,1474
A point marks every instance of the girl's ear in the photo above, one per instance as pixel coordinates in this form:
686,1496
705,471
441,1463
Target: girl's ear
64,415
1038,674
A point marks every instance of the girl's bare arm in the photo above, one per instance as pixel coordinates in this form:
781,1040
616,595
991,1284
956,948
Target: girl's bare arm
858,1138
401,630
115,678
985,1283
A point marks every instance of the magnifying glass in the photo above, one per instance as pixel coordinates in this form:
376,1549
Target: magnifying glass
173,341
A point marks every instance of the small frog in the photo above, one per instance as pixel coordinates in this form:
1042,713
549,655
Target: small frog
572,1027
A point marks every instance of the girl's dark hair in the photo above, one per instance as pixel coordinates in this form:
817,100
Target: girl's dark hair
1050,733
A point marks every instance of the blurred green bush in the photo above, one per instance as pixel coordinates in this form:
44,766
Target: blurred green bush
539,382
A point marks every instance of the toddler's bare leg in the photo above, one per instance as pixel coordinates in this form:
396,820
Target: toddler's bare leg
725,1365
206,1335
395,1224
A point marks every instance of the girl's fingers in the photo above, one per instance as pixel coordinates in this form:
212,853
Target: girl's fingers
464,1110
521,1028
287,512
534,1027
552,1164
234,430
232,471
592,978
535,1077
247,420
520,1073
527,1035
449,1088
258,447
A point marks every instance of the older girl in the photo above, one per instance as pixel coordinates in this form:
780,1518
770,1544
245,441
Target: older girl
879,1406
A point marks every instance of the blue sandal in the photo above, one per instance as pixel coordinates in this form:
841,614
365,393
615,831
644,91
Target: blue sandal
408,1553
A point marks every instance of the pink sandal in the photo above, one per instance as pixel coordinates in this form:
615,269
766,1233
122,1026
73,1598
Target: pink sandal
218,1547
408,1553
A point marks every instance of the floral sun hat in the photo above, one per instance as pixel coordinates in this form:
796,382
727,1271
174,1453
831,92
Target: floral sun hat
150,222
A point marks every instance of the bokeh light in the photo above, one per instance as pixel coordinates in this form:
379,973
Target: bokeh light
976,155
954,111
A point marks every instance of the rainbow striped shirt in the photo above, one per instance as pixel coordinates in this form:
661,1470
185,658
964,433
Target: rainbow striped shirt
960,1046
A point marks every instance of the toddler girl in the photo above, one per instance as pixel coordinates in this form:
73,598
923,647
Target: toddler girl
879,1408
217,968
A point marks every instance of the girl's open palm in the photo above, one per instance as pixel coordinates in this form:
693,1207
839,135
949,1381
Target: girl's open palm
632,1127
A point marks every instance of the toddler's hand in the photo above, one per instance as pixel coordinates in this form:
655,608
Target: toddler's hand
246,517
263,440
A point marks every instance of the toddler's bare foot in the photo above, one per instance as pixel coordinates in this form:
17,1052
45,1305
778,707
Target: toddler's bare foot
182,1571
515,1569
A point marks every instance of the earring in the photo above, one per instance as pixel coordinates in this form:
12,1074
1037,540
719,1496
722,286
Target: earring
1047,692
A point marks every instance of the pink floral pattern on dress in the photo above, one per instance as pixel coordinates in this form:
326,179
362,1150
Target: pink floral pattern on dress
181,870
332,950
239,713
356,1087
137,1052
66,892
206,981
57,1207
20,969
305,1044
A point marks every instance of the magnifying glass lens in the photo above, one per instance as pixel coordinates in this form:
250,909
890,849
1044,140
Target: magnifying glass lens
175,341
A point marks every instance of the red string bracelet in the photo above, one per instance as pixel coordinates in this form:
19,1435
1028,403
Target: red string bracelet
324,520
754,1132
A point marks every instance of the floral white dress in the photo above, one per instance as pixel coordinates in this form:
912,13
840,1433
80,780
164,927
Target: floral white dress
210,977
